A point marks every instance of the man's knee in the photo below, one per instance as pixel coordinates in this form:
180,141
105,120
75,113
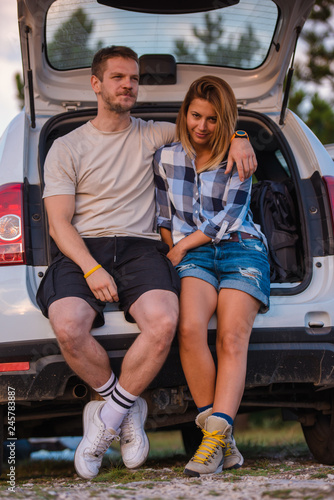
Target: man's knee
71,323
158,322
162,328
165,315
166,324
156,307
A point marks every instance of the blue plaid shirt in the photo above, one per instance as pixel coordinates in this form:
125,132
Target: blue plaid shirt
213,202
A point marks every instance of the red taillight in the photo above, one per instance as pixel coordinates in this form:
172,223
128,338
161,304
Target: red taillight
11,224
329,183
15,367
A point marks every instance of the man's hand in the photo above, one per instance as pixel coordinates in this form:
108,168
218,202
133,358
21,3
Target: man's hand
242,153
103,286
60,211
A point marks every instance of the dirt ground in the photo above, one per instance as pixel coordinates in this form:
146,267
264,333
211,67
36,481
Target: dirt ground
279,475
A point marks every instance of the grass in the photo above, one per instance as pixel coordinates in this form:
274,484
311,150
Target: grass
272,449
269,446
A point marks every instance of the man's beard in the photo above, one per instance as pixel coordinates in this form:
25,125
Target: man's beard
116,107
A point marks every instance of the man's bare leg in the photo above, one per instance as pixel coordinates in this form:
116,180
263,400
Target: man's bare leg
156,314
72,319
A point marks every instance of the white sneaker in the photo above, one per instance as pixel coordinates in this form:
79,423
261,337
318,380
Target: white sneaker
134,441
95,442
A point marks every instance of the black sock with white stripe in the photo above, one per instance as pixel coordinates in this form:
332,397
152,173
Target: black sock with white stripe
114,411
106,389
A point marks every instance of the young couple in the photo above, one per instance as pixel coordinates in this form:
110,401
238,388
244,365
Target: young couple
99,197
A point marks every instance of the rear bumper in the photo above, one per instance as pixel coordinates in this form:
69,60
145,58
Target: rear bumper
308,361
290,364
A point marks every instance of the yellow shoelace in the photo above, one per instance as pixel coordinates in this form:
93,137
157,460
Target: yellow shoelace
207,447
228,451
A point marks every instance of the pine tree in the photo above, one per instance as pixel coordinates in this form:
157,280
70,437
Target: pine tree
69,46
316,72
210,48
318,34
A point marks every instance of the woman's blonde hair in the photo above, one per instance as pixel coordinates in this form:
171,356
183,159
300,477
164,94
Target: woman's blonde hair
218,93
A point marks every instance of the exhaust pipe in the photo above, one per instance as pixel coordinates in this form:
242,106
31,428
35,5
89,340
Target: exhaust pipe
80,391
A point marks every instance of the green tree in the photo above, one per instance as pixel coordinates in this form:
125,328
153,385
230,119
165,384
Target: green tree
19,89
210,37
321,119
316,71
69,47
183,52
318,34
212,50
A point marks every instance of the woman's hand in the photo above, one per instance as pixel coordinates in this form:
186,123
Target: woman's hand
177,253
241,153
189,242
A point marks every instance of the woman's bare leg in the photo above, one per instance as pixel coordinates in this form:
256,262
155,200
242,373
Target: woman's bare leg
236,313
198,302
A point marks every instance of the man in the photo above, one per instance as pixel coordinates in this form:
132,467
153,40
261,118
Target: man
99,197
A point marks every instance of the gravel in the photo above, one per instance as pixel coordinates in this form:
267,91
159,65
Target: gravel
300,479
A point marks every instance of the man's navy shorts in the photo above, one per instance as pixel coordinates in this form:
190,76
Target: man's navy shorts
137,265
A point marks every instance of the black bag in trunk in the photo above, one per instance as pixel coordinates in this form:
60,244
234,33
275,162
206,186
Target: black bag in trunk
273,208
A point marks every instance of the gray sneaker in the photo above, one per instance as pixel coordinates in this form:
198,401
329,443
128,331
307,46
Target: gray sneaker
134,441
209,458
232,456
95,442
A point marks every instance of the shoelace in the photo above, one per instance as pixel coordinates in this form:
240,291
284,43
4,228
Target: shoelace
228,450
207,447
127,430
102,442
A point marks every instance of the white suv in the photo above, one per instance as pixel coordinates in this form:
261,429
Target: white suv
250,44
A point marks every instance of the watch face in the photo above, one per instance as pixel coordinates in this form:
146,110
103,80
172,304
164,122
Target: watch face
241,133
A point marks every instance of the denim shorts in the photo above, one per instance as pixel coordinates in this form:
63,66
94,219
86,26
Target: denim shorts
241,265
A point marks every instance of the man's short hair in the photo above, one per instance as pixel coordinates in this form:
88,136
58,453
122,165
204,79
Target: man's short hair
106,53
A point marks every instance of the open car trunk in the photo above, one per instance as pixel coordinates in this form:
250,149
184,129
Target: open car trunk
275,163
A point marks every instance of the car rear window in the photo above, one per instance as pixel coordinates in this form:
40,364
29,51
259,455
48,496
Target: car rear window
237,36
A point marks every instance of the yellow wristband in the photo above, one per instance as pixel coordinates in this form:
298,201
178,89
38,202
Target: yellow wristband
241,134
92,271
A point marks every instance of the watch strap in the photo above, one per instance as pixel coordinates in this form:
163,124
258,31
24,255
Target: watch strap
239,134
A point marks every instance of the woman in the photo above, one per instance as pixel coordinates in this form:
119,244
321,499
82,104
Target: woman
221,257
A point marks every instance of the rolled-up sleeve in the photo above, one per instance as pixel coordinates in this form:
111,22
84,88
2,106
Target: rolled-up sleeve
163,205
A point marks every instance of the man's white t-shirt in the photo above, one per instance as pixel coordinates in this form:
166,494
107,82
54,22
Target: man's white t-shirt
111,176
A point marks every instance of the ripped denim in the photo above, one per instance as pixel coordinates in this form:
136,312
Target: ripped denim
239,265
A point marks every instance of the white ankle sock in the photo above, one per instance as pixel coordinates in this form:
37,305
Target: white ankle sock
114,411
106,389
